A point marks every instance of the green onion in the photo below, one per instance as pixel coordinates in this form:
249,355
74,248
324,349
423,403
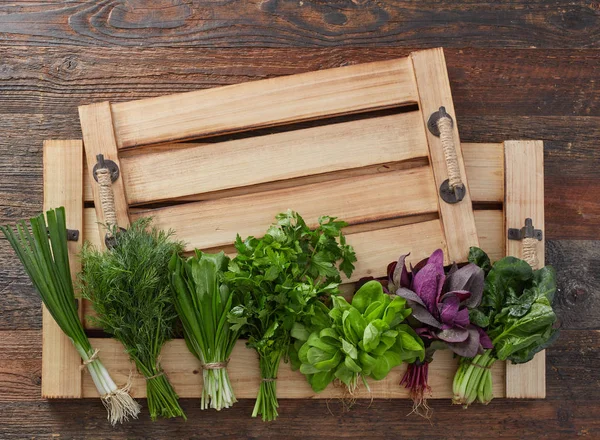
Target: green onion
203,303
128,286
44,255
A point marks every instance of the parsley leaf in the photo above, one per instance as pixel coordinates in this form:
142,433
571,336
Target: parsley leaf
279,280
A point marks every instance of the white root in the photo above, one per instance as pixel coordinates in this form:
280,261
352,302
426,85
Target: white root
120,405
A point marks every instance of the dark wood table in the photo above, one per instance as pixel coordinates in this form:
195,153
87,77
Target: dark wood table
528,70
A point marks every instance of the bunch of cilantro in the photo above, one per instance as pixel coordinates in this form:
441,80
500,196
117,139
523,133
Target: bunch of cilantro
279,280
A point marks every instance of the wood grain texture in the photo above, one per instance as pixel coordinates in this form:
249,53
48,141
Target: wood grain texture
98,138
524,194
258,104
173,23
570,410
434,92
203,168
490,230
185,374
356,200
63,186
58,55
484,166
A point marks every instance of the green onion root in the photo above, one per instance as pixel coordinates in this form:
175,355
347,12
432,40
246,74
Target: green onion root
117,401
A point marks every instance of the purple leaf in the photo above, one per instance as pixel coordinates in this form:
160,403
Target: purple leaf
484,339
449,309
409,294
422,315
400,275
453,335
469,347
427,283
437,259
425,332
460,294
470,278
462,318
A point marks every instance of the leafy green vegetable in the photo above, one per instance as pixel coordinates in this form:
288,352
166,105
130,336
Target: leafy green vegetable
279,279
45,257
516,311
129,288
203,302
353,341
480,258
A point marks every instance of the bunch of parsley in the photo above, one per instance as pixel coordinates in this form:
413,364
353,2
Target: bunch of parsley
279,279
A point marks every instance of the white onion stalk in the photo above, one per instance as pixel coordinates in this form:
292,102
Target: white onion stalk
117,401
217,392
44,254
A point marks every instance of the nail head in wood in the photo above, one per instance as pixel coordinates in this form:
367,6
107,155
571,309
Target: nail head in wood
452,195
110,240
106,163
527,231
432,123
72,234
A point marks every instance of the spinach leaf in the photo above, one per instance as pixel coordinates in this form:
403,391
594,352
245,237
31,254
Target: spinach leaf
516,309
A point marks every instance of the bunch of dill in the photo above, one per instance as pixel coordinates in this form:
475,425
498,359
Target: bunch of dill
129,288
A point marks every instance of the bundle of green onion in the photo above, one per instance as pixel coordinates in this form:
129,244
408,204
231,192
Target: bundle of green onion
203,303
44,254
128,286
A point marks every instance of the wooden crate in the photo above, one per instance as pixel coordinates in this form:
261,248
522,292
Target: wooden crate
498,185
379,169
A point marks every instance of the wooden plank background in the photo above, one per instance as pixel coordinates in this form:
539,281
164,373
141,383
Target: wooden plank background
518,70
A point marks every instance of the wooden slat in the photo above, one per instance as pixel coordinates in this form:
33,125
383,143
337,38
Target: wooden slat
490,229
376,249
98,138
434,92
173,173
525,199
63,186
183,371
265,103
215,223
484,164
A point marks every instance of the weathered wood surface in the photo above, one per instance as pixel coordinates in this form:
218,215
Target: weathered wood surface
272,23
518,70
570,410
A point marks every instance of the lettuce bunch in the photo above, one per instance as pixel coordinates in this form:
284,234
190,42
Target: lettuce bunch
353,341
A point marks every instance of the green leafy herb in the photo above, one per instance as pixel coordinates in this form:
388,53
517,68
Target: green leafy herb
366,338
279,279
203,302
45,257
129,288
516,311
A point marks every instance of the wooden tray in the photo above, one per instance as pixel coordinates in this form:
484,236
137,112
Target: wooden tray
506,183
379,169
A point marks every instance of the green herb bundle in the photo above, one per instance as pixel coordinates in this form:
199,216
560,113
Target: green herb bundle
516,312
129,288
44,255
364,339
203,303
279,279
